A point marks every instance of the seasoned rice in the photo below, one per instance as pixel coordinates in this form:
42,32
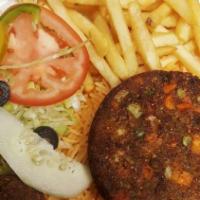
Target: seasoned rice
77,137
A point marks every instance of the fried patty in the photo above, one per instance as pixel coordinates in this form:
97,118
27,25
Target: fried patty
11,188
144,142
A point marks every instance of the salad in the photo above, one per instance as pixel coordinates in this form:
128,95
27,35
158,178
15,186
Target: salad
43,66
58,60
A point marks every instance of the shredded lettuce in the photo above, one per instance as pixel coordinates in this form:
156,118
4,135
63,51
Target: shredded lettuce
58,116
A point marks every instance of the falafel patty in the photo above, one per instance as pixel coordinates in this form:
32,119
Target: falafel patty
144,142
12,188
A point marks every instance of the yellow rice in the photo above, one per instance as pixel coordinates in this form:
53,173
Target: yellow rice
78,134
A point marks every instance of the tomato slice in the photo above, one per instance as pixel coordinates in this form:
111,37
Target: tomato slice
57,79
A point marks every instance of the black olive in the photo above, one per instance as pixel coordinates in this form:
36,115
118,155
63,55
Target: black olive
48,134
4,93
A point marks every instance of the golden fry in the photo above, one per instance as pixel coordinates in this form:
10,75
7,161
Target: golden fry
127,18
91,31
146,3
159,14
141,69
102,67
195,10
113,57
142,37
123,33
172,67
170,21
165,39
190,61
182,8
59,8
164,51
101,24
125,3
145,15
88,84
86,2
168,60
87,10
191,46
119,49
160,29
149,5
183,31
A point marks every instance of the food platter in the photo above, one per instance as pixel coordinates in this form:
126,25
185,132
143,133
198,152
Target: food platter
96,90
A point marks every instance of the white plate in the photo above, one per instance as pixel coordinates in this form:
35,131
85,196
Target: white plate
5,4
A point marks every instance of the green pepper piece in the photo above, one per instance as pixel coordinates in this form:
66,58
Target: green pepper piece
13,12
10,15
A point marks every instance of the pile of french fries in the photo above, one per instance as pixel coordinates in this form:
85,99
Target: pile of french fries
131,36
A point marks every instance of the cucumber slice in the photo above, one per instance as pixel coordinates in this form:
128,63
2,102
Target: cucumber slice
37,164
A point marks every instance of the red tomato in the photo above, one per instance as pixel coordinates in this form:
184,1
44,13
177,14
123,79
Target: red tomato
57,79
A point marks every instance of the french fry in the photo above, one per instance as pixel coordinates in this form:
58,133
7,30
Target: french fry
164,51
141,69
124,3
160,29
168,60
183,31
170,21
182,68
59,8
113,57
145,16
103,68
195,10
146,3
99,63
165,39
182,8
149,5
127,18
119,49
142,37
159,14
140,60
86,2
188,60
91,31
101,23
104,12
172,67
190,46
88,84
121,28
87,10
